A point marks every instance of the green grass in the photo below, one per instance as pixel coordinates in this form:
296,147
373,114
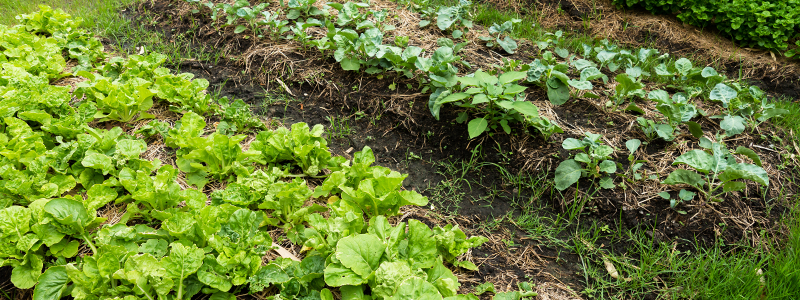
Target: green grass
96,14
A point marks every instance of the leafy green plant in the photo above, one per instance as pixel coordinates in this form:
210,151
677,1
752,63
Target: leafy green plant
594,155
766,25
632,175
508,44
743,107
302,8
717,169
653,130
553,76
449,17
500,98
123,102
303,147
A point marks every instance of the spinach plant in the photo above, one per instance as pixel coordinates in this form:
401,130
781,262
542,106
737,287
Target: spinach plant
714,168
594,155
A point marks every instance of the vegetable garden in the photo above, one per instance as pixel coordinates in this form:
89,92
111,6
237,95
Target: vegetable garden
386,150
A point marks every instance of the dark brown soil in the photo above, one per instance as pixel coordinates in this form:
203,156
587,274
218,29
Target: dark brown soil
404,136
398,131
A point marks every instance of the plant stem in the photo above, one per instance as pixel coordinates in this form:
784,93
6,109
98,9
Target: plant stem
89,242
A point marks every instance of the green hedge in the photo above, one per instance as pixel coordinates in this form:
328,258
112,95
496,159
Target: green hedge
770,25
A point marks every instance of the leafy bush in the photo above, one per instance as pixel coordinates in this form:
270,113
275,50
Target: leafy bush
750,23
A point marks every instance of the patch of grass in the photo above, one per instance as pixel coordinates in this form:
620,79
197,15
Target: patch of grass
96,14
129,37
789,121
339,127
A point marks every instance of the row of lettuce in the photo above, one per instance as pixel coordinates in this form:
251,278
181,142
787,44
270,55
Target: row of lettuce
493,100
83,215
771,25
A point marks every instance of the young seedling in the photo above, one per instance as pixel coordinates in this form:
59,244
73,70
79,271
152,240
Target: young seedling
498,31
632,175
596,158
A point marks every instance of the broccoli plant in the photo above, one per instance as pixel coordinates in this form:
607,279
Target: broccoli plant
507,43
714,168
594,155
449,17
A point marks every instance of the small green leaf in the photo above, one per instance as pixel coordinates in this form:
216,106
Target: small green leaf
476,127
572,144
683,66
557,91
607,182
686,195
681,176
664,195
732,125
239,29
51,284
633,145
695,129
723,93
567,174
749,153
608,167
526,108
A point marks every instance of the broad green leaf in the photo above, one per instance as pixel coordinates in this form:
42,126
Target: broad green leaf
415,288
733,186
52,283
557,91
695,129
745,171
183,261
567,174
509,77
443,279
421,246
70,213
683,66
607,182
361,253
697,159
750,154
581,84
686,195
608,167
681,176
732,125
476,127
572,144
526,108
350,64
723,93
